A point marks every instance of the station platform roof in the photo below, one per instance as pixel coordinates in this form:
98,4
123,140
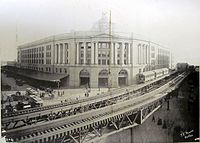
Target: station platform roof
53,77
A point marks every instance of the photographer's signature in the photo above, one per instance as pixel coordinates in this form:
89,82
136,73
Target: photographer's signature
187,134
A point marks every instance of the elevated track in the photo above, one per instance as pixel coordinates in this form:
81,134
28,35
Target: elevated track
122,113
30,116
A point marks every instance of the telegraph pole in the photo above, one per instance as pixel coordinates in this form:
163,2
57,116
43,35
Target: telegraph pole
109,68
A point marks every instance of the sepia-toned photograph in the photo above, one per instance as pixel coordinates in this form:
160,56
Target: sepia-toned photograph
99,71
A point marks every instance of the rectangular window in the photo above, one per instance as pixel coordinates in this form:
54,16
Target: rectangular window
125,62
103,62
118,62
82,54
88,61
99,62
103,54
108,62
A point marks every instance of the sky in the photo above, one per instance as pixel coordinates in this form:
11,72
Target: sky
172,23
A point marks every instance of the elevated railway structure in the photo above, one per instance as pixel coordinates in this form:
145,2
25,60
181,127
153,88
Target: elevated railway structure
76,128
51,112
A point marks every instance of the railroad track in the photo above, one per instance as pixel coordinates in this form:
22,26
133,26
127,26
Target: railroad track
71,123
101,114
39,109
31,113
77,118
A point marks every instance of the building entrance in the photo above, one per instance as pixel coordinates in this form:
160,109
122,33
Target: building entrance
103,82
123,78
103,78
84,78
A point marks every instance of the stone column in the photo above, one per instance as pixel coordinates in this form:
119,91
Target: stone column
45,56
139,49
111,53
92,53
96,53
60,52
129,53
55,53
77,53
84,53
122,53
115,50
133,53
64,54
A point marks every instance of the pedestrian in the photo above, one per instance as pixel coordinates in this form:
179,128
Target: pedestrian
58,93
164,125
153,119
159,121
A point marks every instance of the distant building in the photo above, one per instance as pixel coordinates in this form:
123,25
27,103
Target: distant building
8,63
86,57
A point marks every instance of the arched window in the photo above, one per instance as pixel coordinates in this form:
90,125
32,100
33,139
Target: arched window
84,73
123,73
103,73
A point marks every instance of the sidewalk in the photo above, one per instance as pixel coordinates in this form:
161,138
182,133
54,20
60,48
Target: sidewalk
72,94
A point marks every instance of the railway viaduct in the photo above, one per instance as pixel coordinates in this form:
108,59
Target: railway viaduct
82,121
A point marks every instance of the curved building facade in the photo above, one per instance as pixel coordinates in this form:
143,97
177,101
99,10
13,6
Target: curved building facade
87,58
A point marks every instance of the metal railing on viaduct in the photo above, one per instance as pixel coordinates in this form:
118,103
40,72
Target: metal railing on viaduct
77,121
